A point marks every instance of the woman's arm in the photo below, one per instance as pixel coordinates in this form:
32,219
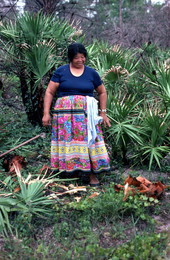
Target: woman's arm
103,101
49,94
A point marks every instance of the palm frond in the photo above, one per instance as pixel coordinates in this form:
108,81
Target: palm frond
159,76
5,226
41,58
154,154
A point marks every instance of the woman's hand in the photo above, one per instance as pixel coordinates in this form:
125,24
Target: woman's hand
49,94
46,120
106,120
102,101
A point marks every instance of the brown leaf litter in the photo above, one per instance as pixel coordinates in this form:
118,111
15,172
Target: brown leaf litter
140,185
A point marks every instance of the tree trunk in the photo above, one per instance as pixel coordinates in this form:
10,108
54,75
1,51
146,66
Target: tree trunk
46,6
120,21
32,100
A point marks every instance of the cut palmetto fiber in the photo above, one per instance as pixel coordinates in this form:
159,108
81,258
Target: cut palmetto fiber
34,189
31,197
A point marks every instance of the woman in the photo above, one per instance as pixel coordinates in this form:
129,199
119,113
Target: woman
77,141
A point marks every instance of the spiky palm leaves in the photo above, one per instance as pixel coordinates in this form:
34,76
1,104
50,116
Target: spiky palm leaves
28,199
158,76
33,45
155,138
125,130
134,131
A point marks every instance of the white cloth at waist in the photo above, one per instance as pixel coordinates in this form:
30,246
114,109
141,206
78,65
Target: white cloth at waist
92,119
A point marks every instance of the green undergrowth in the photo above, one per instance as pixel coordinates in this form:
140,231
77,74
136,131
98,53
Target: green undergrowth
102,227
15,130
78,227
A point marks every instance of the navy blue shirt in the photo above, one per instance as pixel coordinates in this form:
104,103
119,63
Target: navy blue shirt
76,85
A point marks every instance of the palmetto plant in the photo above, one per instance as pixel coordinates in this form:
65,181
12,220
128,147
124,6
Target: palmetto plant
158,76
28,201
34,45
128,111
5,205
155,113
155,143
104,57
116,66
124,128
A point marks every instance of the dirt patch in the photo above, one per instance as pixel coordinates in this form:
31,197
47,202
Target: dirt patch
150,175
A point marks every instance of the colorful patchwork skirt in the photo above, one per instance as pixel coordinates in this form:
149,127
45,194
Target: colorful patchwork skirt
69,145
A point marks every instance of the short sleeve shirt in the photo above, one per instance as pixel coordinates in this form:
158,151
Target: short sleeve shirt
72,85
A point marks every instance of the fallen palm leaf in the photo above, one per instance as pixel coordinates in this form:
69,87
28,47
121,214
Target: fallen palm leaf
17,189
143,180
95,194
77,198
10,161
128,191
141,185
46,168
73,191
61,186
132,181
71,186
5,194
118,187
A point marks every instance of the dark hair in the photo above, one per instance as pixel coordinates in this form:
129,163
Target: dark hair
74,49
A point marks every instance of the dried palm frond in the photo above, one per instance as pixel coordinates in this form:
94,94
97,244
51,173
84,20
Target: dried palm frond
116,48
76,34
118,70
167,65
115,71
24,46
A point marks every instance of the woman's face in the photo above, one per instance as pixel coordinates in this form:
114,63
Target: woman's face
78,60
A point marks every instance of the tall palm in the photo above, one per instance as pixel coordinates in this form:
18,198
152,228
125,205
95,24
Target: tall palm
34,45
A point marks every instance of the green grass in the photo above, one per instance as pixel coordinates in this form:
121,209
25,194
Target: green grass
80,230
